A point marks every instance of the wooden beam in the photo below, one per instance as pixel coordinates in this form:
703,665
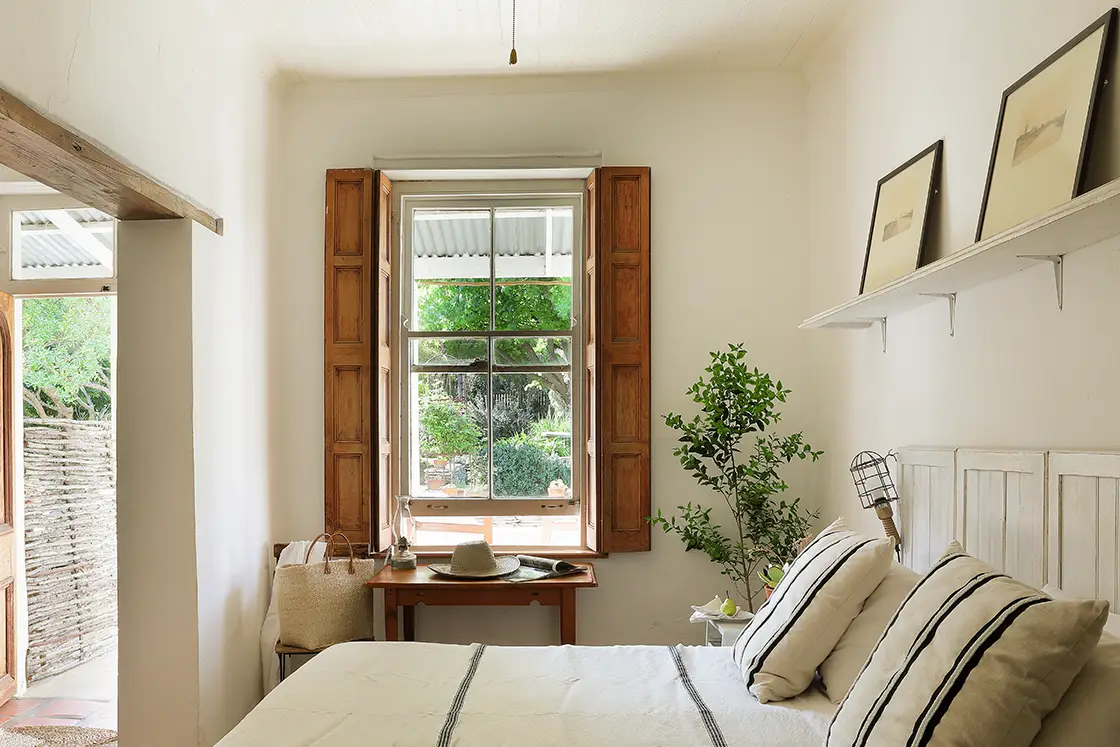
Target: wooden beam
58,157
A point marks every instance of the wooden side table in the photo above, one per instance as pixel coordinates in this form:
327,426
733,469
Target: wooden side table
406,589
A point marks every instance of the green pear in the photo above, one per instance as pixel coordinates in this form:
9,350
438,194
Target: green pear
729,607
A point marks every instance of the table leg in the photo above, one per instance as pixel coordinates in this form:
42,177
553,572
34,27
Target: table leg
409,622
390,614
283,667
568,617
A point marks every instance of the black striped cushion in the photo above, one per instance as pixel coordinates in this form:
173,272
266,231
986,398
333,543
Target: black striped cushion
779,652
971,658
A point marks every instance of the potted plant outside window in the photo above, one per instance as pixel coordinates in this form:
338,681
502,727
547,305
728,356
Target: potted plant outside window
447,432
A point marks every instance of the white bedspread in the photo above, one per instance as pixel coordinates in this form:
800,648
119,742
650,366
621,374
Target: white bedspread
405,694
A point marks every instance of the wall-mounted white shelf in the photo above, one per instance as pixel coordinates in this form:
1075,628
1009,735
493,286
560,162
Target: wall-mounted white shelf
1081,222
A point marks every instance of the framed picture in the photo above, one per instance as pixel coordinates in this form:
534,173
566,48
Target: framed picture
903,203
1044,131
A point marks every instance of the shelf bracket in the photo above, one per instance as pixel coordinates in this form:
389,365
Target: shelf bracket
952,299
883,330
1059,274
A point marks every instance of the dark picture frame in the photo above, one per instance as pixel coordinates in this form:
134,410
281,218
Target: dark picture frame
877,238
1046,131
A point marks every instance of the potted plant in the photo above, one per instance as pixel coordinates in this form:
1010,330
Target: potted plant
771,577
447,431
729,446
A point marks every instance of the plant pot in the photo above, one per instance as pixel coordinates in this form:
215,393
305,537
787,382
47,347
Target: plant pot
435,483
439,463
450,490
557,492
769,591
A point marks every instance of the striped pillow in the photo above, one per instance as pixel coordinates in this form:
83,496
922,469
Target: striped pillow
972,658
778,653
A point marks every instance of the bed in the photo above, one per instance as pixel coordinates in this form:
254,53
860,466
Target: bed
1044,517
427,694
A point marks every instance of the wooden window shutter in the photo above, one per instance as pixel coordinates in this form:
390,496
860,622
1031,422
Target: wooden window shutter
618,357
384,316
358,331
593,526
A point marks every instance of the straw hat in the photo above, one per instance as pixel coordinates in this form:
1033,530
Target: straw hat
476,560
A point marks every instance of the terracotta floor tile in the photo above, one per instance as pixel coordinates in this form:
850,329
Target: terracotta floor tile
16,706
67,708
36,721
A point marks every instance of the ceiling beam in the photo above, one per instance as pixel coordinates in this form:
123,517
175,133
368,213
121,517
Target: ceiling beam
80,236
63,159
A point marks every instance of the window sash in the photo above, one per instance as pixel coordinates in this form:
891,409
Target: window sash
408,440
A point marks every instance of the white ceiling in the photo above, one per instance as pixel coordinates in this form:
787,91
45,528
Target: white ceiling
404,38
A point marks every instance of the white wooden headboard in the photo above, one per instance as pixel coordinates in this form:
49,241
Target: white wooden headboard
1043,517
927,519
1001,510
1084,512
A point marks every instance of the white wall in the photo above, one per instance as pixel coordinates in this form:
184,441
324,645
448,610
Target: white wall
157,590
897,76
728,242
172,88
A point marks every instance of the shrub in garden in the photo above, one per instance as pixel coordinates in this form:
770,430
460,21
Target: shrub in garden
524,466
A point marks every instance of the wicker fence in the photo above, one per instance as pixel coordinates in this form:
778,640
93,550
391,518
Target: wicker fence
70,518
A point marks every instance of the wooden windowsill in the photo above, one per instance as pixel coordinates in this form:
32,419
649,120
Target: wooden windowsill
561,553
361,550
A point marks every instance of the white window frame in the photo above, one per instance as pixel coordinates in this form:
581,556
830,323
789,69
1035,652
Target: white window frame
45,286
409,196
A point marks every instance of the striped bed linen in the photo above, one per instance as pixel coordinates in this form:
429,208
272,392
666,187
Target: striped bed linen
437,695
824,590
972,657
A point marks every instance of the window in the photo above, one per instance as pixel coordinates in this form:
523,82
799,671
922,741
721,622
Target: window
60,243
489,347
54,245
491,356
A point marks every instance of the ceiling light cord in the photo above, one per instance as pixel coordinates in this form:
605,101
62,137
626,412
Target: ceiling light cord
513,37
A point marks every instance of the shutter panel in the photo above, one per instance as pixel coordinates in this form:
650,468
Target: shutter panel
384,399
348,352
593,526
358,355
621,362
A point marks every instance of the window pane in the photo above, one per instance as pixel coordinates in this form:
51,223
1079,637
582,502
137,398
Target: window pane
533,268
507,531
533,435
532,351
449,435
451,270
437,351
77,243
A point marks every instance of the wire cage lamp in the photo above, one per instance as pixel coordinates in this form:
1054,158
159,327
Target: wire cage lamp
877,491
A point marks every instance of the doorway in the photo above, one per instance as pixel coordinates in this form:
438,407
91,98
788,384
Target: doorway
67,606
61,272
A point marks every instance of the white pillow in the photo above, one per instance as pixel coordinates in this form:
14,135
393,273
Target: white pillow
842,666
972,658
779,652
1111,625
1088,713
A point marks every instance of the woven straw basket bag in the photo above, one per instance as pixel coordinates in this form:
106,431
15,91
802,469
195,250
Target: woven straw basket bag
322,604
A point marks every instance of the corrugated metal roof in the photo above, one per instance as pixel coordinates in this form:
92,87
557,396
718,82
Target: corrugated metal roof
520,233
82,215
54,249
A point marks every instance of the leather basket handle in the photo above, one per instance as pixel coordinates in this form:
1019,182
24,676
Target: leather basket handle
328,553
346,539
